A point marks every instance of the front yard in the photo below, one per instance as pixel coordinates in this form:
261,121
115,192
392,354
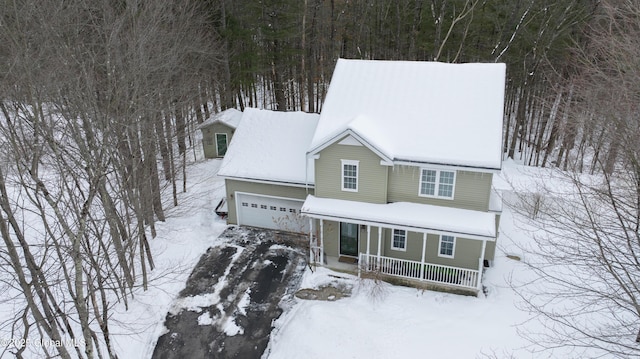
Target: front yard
376,321
380,320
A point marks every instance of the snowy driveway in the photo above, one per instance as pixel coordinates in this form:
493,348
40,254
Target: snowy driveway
232,297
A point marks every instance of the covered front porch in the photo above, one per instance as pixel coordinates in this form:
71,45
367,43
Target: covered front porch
421,271
401,241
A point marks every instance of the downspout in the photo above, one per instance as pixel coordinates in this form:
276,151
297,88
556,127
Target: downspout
306,173
481,265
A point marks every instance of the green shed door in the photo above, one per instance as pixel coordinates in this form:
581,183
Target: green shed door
349,239
221,144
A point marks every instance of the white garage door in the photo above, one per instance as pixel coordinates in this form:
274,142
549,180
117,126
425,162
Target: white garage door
271,212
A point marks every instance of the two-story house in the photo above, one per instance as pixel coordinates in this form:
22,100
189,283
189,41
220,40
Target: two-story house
396,173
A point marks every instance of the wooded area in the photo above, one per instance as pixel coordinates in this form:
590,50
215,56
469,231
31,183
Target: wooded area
100,99
280,55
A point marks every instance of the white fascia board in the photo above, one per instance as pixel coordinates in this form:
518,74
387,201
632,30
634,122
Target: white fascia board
264,181
395,226
448,167
348,131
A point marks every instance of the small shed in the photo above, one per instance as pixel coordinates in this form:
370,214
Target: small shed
217,132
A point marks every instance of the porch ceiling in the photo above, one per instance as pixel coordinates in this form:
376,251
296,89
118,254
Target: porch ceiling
405,215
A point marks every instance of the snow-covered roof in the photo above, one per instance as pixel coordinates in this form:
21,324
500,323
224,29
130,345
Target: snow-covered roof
271,146
418,111
230,117
423,217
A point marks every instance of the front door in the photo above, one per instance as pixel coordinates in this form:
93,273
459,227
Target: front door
349,239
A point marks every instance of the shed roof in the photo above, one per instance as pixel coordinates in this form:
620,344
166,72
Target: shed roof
416,111
230,117
271,146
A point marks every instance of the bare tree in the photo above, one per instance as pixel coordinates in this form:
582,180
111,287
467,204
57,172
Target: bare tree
586,240
584,250
86,85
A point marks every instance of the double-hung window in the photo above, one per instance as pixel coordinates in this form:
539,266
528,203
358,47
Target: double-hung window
350,175
399,240
437,183
447,247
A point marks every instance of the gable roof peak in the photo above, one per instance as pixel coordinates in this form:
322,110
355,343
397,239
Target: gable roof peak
230,117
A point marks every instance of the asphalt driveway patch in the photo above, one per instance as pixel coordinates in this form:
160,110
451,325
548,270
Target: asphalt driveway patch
233,295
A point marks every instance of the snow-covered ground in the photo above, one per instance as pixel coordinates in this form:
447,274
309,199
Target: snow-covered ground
189,230
407,322
401,322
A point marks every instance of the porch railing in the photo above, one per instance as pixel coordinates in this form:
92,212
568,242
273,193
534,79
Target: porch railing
428,272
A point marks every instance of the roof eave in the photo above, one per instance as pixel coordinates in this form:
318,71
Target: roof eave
473,168
268,181
420,229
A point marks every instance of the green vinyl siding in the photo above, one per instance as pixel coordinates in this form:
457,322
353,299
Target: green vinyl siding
275,190
331,236
490,251
413,245
467,251
372,176
209,138
471,190
373,240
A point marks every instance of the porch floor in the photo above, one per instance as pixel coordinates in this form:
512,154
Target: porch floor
335,264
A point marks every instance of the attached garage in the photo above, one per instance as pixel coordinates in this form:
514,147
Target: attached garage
266,170
270,212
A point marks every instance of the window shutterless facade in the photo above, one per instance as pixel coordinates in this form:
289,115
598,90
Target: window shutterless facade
399,240
447,246
437,183
349,175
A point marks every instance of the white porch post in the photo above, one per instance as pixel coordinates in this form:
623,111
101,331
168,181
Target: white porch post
481,265
368,245
321,241
424,251
379,246
311,256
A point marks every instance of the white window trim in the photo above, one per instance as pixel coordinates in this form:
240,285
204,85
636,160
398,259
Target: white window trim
226,140
437,184
353,163
453,250
393,237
